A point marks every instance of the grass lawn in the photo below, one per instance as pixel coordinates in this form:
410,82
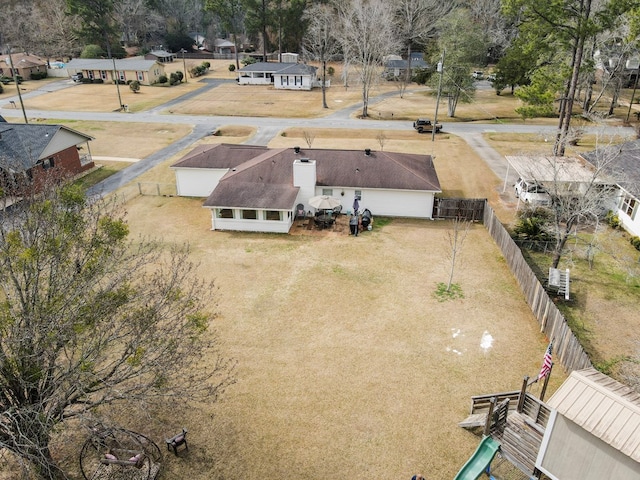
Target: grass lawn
349,367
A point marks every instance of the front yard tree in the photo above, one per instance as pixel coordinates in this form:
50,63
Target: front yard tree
90,318
366,33
570,24
416,21
465,44
231,16
320,42
97,21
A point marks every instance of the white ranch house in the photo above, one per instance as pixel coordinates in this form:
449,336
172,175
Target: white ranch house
256,189
147,72
283,76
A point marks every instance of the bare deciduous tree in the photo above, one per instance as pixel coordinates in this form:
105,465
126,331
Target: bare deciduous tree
308,137
367,35
415,23
320,43
456,237
90,318
382,139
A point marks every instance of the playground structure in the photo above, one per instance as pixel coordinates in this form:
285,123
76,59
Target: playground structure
480,460
513,423
112,453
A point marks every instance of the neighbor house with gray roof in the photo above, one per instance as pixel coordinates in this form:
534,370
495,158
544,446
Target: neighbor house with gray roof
147,72
282,75
621,163
30,154
255,188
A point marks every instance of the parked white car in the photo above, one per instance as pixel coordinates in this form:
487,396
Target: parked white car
532,192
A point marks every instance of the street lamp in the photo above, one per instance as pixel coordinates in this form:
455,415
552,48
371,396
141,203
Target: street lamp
184,64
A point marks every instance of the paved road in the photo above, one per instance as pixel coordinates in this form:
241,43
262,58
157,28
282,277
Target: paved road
267,128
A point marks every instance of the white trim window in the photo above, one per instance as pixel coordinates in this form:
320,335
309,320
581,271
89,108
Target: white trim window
629,205
249,214
327,191
103,74
224,213
140,76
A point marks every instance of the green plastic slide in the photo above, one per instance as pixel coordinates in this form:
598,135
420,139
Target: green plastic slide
480,460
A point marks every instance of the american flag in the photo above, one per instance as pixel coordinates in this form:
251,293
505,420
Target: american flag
546,362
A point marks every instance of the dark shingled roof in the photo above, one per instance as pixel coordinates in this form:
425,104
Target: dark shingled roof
280,67
21,145
621,163
265,180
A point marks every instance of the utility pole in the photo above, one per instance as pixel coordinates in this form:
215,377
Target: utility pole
184,64
117,81
435,117
15,79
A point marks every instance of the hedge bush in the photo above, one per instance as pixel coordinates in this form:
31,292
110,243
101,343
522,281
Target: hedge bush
635,241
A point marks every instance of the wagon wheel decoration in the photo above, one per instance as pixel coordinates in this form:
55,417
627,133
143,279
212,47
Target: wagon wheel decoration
123,446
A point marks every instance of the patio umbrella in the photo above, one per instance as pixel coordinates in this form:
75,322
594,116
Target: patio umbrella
356,204
324,202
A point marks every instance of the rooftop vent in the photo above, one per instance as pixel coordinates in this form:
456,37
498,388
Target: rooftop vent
367,152
304,160
296,149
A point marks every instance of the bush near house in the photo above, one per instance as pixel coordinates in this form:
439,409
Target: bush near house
232,67
199,70
38,75
134,86
163,79
635,241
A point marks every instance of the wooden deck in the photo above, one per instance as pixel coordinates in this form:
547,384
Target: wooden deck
517,420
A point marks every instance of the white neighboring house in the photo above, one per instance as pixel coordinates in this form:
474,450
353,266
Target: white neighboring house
257,189
622,163
284,76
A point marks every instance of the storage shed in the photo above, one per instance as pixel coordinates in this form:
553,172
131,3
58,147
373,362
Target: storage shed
593,430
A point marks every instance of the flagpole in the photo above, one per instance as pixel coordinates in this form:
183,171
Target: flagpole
546,382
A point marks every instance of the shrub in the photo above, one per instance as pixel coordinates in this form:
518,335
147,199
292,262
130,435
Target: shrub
330,71
98,80
162,79
86,80
38,75
635,241
173,79
612,220
531,224
1,88
134,86
206,64
248,61
179,75
232,67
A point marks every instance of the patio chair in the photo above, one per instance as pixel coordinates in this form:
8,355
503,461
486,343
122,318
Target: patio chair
300,212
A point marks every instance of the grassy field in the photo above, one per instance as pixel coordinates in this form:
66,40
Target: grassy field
349,367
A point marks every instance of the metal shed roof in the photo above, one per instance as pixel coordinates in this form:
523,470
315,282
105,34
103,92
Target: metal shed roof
549,169
602,406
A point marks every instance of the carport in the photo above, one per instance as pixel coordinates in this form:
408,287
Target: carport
558,174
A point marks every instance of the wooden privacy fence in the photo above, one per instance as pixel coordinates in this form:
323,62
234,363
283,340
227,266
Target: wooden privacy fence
566,346
463,208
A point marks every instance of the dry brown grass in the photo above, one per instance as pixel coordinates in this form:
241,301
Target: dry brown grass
348,365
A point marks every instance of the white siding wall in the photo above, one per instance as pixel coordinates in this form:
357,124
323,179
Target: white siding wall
630,225
569,452
288,82
387,202
254,80
197,182
258,225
